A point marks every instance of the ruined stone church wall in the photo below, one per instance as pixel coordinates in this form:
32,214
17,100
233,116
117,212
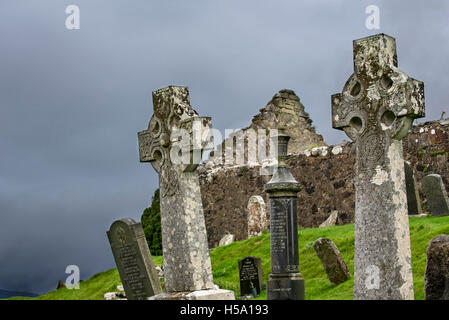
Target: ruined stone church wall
326,174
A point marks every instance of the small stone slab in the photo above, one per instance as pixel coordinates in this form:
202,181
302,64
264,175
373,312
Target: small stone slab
331,220
227,239
413,200
333,263
134,263
436,195
257,216
251,275
437,269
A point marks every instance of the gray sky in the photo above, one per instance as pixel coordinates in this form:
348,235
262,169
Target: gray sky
72,102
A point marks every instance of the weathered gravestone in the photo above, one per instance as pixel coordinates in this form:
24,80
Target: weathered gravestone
376,109
133,259
437,269
435,192
331,220
227,239
413,201
250,275
333,263
257,216
285,282
173,144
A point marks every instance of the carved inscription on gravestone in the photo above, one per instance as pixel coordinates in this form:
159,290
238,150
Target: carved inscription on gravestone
250,274
133,259
283,239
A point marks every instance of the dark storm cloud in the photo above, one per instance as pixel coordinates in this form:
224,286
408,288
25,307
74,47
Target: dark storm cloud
71,102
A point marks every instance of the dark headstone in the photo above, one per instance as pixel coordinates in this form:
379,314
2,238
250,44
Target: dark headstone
285,282
436,195
250,274
133,259
60,285
333,263
437,269
413,201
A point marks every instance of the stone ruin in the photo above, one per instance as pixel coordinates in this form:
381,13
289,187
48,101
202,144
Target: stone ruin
284,110
326,174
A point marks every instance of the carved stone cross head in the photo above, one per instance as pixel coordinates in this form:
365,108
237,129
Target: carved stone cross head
378,98
176,135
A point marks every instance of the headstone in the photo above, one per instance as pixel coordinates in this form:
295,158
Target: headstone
285,282
227,239
333,263
435,192
60,285
413,201
173,144
376,109
257,216
437,269
331,220
250,275
133,259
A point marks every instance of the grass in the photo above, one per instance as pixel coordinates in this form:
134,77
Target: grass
225,268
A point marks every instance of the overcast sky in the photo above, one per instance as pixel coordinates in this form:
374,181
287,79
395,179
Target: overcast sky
72,101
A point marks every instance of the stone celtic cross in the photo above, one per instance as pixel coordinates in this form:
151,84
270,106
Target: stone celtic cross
376,109
173,144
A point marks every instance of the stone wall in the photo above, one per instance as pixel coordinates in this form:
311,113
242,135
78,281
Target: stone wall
326,174
426,147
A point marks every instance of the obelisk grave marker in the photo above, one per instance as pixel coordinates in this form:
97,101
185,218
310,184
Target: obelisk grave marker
173,144
376,109
285,282
133,259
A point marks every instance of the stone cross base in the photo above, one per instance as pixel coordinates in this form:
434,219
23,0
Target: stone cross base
285,287
213,294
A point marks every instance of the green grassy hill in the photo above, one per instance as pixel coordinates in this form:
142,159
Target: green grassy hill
318,287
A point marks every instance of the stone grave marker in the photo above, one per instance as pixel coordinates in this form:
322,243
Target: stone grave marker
413,200
257,216
333,263
226,239
285,282
331,220
133,259
250,275
376,109
173,144
435,192
437,269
